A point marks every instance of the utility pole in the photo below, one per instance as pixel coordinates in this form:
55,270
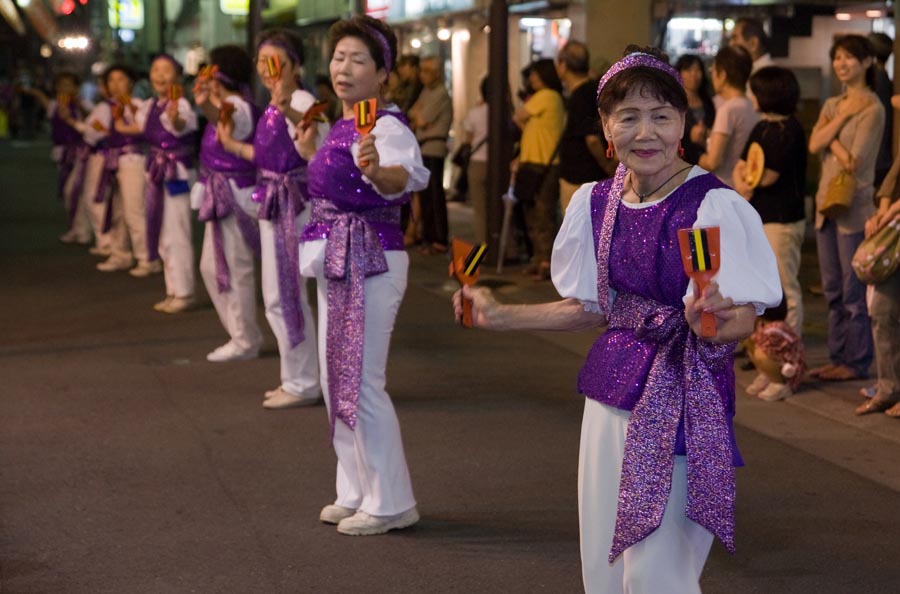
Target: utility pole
499,146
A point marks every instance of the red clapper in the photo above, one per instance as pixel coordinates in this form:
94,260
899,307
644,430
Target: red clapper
465,259
364,114
700,256
273,67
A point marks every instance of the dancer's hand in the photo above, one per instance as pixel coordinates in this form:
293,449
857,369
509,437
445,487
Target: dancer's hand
484,306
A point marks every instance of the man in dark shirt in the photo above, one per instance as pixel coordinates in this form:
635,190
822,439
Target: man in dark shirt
582,150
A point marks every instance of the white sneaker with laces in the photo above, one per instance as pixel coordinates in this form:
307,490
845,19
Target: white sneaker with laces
146,269
775,391
758,385
334,513
281,399
179,304
113,264
231,352
363,524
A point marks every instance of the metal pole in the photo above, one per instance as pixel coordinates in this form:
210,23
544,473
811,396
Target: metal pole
161,15
254,25
499,146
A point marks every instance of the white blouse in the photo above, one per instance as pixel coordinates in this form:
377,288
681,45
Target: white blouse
747,273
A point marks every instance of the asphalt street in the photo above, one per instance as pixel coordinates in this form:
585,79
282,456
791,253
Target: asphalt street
130,465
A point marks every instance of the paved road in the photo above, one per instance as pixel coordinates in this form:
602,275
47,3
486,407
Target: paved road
130,465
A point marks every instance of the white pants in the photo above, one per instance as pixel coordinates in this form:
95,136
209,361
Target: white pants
81,224
96,211
129,224
299,365
372,474
671,559
237,307
175,248
786,240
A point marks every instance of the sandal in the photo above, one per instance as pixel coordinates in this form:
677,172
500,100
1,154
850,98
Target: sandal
894,411
840,373
543,272
818,371
875,405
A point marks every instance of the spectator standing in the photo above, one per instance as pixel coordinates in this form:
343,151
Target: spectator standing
884,88
735,117
410,86
431,117
847,136
701,113
541,118
750,35
582,152
475,126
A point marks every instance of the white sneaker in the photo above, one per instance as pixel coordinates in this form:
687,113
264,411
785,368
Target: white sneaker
268,394
758,385
98,250
146,269
113,264
775,391
333,513
71,236
281,399
179,304
162,305
231,352
363,524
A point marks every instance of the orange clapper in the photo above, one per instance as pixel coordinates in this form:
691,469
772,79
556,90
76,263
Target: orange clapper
226,113
273,66
176,92
314,112
464,267
700,256
364,112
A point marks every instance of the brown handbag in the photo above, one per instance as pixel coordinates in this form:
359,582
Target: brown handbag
839,194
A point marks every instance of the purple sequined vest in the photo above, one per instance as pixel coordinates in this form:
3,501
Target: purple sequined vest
61,133
335,179
275,149
115,139
213,156
158,137
645,260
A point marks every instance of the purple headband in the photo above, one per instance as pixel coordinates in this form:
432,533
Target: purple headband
287,50
635,60
385,47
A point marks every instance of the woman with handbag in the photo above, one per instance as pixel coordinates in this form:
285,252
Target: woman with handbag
541,119
847,135
884,305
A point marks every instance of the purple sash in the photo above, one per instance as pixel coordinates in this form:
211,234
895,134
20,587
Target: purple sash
162,166
281,200
219,203
80,156
106,187
353,252
681,379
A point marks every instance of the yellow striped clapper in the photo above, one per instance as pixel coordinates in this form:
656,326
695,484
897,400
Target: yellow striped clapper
364,114
700,257
464,261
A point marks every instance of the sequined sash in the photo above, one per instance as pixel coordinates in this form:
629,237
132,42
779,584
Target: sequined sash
162,166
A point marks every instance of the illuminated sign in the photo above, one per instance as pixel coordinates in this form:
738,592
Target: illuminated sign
126,14
235,7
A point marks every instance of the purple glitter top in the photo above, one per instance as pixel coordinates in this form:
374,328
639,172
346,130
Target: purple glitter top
645,260
636,60
335,178
214,157
115,139
61,132
157,136
274,147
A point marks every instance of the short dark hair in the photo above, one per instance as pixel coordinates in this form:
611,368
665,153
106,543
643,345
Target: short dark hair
546,71
575,56
753,28
776,90
118,67
66,74
860,48
362,27
290,41
737,65
650,81
408,60
883,46
234,62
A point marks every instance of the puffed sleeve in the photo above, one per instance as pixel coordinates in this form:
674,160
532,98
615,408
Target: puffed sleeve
397,145
142,112
186,113
96,125
748,272
242,118
573,266
301,101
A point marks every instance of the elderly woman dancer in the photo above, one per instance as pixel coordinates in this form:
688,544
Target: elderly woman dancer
282,196
656,471
353,245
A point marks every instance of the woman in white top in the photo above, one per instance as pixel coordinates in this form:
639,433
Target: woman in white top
657,457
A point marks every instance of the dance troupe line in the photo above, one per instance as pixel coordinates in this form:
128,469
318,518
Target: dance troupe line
656,471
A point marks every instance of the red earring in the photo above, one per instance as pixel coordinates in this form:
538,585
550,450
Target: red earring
610,151
680,150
